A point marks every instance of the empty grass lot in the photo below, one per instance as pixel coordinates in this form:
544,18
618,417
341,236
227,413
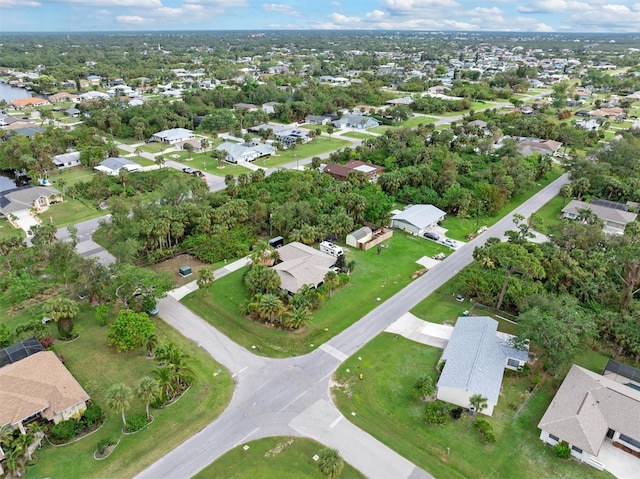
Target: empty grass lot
314,148
8,231
273,458
375,276
71,211
385,407
550,214
357,135
97,366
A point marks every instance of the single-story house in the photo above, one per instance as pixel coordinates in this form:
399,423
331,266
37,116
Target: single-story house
302,265
590,410
475,359
246,152
361,235
590,124
112,166
24,199
72,112
544,147
288,136
317,119
407,100
63,96
270,107
26,129
29,102
417,219
93,95
356,121
615,219
174,135
39,385
196,144
66,160
341,172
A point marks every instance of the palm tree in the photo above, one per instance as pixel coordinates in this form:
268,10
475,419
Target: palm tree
23,442
332,281
62,311
206,278
189,148
424,387
204,144
147,390
478,403
165,378
566,191
330,462
160,161
137,151
270,307
118,397
297,317
150,343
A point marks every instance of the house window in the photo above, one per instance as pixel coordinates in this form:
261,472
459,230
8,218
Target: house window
555,438
577,449
514,363
630,440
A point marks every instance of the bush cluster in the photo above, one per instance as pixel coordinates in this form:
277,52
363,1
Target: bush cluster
65,430
103,444
563,451
135,422
92,415
436,413
486,430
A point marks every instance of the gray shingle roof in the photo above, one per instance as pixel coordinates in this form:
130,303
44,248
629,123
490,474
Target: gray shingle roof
587,405
22,198
602,212
474,358
420,216
117,163
302,265
361,233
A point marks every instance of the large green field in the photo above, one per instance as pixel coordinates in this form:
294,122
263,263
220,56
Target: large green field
272,458
385,407
71,211
97,366
314,148
376,278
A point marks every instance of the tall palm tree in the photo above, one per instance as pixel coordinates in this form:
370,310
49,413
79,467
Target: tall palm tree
147,390
330,462
270,307
165,377
150,343
23,442
118,397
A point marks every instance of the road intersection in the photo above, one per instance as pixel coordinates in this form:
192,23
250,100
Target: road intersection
292,396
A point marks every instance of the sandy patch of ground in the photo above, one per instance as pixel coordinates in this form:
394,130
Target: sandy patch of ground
173,266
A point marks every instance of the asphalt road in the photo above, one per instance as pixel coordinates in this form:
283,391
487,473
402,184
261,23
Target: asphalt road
292,396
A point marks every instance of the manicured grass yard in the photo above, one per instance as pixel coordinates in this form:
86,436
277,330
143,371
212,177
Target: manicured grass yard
8,231
357,135
459,228
316,147
385,407
97,366
273,458
550,214
375,276
72,175
71,211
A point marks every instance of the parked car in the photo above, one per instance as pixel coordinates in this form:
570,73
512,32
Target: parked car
149,140
449,242
431,235
152,311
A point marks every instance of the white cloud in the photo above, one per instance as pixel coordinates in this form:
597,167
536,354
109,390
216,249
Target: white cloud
344,20
413,7
280,8
375,15
221,4
130,19
115,3
19,3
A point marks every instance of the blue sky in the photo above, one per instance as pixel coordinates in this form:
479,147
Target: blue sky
440,15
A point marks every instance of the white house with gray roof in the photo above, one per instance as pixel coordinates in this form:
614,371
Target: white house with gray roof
417,219
112,166
591,412
66,160
302,265
174,135
236,153
475,359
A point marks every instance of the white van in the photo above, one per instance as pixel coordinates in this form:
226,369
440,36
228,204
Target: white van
331,249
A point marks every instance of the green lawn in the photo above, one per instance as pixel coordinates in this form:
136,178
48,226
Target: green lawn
385,407
376,276
550,214
8,231
154,147
72,175
459,228
141,160
71,211
97,366
272,458
316,147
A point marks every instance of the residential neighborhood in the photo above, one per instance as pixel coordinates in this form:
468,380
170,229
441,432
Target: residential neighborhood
400,254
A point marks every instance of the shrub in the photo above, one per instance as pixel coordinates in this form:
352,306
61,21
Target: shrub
456,413
136,422
47,342
563,451
92,415
103,444
486,430
436,413
65,430
103,312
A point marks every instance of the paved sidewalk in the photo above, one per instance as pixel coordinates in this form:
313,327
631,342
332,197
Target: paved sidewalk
182,291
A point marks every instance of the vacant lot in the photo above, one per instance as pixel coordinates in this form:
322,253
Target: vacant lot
173,266
272,458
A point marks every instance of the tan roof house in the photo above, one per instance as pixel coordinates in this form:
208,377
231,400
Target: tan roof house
590,413
302,265
63,96
28,199
39,385
615,220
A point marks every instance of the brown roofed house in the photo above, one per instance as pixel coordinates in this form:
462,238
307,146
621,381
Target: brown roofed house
341,172
39,385
28,102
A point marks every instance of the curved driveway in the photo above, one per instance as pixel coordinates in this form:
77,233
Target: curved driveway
292,396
